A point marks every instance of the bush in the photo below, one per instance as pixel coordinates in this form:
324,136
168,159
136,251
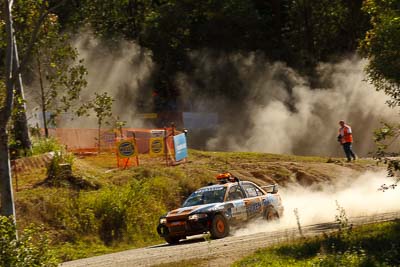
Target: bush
60,167
114,214
44,145
31,249
130,212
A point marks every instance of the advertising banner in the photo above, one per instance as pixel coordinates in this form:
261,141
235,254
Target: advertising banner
156,146
127,149
180,147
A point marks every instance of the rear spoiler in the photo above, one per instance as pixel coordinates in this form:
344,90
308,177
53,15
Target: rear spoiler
273,188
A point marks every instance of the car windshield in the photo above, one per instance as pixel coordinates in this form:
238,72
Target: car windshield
206,195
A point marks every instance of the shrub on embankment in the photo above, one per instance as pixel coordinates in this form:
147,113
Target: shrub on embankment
112,215
122,213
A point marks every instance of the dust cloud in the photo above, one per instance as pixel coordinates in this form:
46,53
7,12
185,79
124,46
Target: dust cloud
277,110
122,70
358,197
271,107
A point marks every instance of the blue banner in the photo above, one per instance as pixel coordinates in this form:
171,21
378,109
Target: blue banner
180,147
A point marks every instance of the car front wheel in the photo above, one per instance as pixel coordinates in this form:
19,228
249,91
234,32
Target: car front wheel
271,214
219,227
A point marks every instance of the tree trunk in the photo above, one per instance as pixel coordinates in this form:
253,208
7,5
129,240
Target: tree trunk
98,137
21,130
42,97
7,198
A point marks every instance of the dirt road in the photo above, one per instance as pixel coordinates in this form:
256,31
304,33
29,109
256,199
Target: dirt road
220,252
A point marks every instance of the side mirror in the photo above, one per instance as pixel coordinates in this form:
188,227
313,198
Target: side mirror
272,189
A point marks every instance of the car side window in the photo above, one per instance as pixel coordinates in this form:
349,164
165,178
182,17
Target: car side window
252,191
234,193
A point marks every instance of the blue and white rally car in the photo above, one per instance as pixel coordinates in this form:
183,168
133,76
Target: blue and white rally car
215,208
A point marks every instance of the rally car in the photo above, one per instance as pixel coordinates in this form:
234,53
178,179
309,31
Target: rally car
215,208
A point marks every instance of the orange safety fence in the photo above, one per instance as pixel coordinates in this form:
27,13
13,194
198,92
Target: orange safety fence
84,140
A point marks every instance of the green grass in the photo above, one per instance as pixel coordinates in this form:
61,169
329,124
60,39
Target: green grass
25,180
264,157
254,156
369,245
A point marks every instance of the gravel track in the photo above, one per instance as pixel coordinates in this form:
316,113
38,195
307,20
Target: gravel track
221,252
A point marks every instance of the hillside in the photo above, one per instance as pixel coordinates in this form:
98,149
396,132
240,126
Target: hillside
105,209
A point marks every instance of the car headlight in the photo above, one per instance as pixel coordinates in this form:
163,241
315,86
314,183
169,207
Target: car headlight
163,220
196,217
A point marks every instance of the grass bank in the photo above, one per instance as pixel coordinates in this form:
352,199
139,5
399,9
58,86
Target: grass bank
122,213
369,245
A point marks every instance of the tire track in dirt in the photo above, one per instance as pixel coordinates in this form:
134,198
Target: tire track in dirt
221,252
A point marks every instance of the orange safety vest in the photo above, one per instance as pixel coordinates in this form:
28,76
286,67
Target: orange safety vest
346,134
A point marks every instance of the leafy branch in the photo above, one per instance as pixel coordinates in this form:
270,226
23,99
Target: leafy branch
384,138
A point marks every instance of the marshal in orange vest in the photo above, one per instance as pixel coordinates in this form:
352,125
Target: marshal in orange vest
345,134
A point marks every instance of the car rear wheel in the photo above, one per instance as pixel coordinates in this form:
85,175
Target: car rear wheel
173,240
219,227
271,214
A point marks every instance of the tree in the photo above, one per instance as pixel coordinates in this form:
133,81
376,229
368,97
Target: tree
54,61
299,32
320,30
112,19
7,198
381,46
101,105
21,129
21,24
61,78
7,95
55,64
384,138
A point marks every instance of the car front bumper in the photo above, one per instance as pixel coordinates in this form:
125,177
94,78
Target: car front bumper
183,228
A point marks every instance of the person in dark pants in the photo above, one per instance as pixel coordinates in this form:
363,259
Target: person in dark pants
345,137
